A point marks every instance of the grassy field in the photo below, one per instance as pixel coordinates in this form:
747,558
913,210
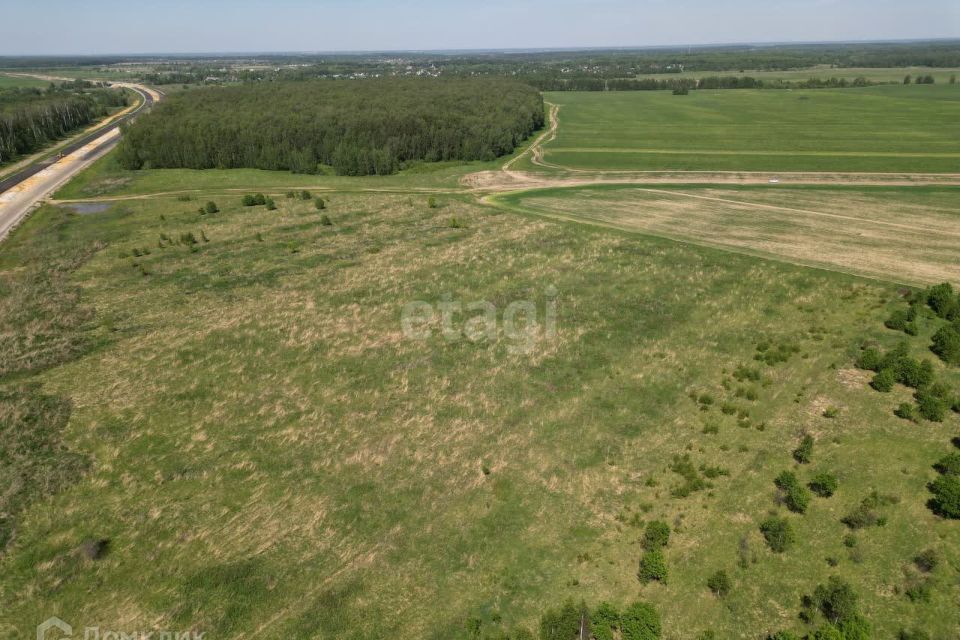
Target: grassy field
894,234
7,82
892,74
270,455
877,129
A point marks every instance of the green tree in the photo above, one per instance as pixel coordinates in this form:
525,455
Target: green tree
560,624
640,621
946,496
605,621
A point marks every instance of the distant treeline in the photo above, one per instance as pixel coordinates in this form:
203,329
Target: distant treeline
361,127
33,118
711,82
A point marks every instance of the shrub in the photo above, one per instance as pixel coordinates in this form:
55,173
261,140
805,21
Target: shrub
898,320
744,373
884,380
826,631
259,199
640,621
931,405
906,411
804,453
919,592
306,195
778,533
560,624
831,412
866,514
946,344
320,204
927,560
271,205
836,600
942,300
719,583
949,465
783,635
795,496
249,201
823,484
656,536
326,221
913,373
291,194
211,207
432,202
946,496
653,566
870,360
605,621
913,634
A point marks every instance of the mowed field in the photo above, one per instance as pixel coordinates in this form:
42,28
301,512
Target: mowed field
898,234
875,129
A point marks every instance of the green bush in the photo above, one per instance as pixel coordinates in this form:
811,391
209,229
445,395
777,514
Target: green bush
913,373
866,514
870,360
804,453
946,344
320,204
259,199
778,533
907,411
836,600
823,484
913,634
949,465
640,621
927,560
795,496
719,583
271,205
884,380
946,496
211,207
931,404
605,621
898,321
306,195
653,566
249,201
942,300
656,536
560,624
326,221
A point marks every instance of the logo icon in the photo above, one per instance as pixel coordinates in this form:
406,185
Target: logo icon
53,623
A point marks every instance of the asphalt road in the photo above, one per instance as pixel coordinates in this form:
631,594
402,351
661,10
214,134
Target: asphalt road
22,191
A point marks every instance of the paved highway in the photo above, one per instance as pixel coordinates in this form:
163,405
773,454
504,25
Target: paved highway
24,190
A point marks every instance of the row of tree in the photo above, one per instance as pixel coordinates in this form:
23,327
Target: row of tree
31,119
363,127
688,84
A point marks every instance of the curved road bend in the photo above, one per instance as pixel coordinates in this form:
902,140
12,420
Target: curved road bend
22,191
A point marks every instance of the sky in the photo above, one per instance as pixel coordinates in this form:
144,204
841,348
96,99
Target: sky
203,26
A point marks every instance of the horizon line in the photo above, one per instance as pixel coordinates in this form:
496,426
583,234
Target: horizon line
500,50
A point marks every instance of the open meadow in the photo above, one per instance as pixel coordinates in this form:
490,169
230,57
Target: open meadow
237,432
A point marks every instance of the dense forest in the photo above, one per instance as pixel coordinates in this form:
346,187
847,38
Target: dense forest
361,127
32,118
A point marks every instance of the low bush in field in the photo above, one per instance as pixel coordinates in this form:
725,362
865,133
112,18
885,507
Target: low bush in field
823,484
804,453
778,533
